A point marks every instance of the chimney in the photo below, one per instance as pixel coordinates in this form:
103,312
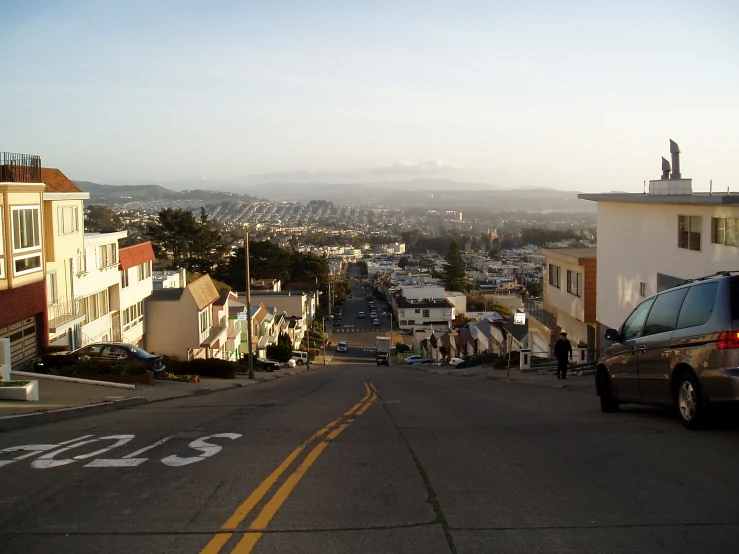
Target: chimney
665,169
675,154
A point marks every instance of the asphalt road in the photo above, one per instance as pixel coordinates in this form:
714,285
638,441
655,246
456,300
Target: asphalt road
356,458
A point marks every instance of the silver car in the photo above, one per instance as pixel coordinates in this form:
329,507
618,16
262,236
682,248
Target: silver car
678,348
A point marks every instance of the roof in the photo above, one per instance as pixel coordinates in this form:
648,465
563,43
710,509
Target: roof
56,181
440,303
131,256
203,291
165,295
635,197
577,253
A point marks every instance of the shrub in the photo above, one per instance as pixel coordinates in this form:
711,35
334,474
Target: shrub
280,352
206,368
401,347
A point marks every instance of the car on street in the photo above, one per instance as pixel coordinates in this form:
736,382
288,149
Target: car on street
413,360
376,322
268,365
678,348
300,357
457,362
361,315
343,346
289,363
382,359
109,352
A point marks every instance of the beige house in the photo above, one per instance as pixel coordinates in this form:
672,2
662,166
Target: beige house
569,302
186,322
652,241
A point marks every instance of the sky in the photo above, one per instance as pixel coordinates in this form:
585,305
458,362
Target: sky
574,95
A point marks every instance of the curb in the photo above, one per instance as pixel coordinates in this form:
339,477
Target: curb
21,421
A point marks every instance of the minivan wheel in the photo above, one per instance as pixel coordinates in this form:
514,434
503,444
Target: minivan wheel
300,362
691,407
607,403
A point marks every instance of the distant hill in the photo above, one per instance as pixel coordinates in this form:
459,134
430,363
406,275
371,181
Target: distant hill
124,194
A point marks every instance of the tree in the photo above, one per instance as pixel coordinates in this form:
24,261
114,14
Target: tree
172,234
534,288
266,261
454,273
280,352
101,219
403,262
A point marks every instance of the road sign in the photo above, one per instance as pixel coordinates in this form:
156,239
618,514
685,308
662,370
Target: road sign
241,316
519,318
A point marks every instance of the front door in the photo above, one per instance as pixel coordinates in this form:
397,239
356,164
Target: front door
623,360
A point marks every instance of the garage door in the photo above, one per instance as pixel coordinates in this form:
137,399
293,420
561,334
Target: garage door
23,344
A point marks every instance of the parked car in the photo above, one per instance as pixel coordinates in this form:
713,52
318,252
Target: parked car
361,315
413,360
268,365
376,322
342,347
300,357
289,363
110,352
678,348
457,362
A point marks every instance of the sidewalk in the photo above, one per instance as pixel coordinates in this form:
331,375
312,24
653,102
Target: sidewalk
574,383
60,400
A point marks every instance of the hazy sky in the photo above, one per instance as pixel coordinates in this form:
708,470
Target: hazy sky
572,95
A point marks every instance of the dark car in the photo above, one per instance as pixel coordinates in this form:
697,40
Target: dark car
679,348
382,359
268,365
110,352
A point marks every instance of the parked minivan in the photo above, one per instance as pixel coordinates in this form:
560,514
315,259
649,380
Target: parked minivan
678,348
300,357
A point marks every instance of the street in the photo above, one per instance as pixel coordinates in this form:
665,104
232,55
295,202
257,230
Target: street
356,458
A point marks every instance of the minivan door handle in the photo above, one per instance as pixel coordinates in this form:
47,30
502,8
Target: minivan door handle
642,347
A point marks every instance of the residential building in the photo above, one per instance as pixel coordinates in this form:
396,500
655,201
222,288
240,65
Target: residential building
569,302
297,303
650,242
63,219
22,258
435,314
96,285
136,285
183,322
169,279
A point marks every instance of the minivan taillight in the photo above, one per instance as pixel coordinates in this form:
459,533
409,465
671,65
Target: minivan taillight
728,340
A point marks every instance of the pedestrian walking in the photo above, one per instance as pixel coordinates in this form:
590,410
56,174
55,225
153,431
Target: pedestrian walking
561,349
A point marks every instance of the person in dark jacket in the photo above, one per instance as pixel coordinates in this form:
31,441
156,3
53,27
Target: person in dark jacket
561,350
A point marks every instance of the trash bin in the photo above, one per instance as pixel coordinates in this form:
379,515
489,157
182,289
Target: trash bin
525,359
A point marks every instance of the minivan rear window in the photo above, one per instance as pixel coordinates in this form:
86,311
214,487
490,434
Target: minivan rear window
698,305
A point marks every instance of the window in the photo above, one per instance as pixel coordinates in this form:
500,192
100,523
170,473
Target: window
725,230
27,264
133,315
402,313
26,228
205,320
417,310
51,288
689,232
107,255
632,327
2,268
663,316
144,270
68,220
2,241
81,263
124,278
427,313
554,275
95,306
573,282
642,289
698,305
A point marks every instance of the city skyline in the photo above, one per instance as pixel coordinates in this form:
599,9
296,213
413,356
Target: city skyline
571,96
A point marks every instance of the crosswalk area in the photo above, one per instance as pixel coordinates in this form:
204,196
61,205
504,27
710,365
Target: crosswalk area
354,330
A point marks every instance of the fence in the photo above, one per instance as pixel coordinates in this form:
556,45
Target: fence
19,168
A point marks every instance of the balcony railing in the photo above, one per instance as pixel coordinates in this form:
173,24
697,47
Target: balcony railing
66,309
536,310
19,168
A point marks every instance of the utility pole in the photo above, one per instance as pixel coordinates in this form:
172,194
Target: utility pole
248,303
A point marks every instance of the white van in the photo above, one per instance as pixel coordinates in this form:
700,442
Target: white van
300,357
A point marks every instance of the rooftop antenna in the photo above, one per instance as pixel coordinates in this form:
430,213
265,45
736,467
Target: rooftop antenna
710,188
675,155
645,186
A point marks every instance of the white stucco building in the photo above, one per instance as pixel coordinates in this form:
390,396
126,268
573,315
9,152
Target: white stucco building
652,241
136,286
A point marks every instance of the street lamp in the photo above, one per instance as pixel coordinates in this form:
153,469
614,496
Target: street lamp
248,303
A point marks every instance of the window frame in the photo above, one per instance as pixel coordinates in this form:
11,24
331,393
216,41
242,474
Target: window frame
106,253
25,257
2,235
37,228
685,237
577,289
725,231
124,279
552,274
426,313
205,322
75,220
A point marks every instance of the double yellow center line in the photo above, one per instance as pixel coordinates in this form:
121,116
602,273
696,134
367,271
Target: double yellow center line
251,538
